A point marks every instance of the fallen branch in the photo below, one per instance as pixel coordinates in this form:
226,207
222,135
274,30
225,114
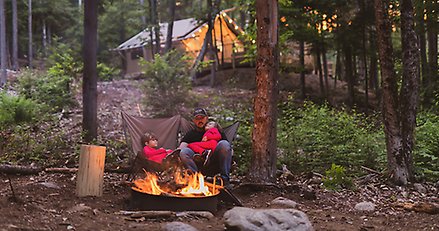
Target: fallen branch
148,214
31,170
424,207
370,170
18,169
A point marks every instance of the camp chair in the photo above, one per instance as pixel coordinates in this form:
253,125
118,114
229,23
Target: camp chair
168,132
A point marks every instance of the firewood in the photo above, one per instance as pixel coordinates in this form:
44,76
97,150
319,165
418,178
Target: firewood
19,169
91,171
424,207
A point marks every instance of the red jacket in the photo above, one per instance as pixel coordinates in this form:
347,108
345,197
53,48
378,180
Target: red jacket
156,155
212,135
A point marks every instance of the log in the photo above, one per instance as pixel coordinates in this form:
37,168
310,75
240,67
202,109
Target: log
90,175
423,207
19,169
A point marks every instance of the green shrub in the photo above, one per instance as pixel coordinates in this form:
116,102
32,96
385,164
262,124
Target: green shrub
313,137
167,83
51,89
106,73
336,178
426,151
242,146
16,110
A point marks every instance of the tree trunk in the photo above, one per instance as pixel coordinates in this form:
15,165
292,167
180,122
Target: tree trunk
364,60
168,44
396,166
302,68
319,68
14,36
89,85
156,26
3,74
410,84
349,74
373,69
29,25
337,68
264,145
432,33
425,72
325,69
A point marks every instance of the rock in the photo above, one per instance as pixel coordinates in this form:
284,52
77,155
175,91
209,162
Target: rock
284,202
365,206
79,208
419,188
178,226
50,185
437,184
241,218
195,214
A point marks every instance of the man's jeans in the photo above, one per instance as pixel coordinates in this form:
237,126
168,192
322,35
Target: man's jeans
220,161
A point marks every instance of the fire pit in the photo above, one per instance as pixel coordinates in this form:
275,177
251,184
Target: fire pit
187,193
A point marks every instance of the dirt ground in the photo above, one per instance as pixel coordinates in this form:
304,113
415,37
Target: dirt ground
47,201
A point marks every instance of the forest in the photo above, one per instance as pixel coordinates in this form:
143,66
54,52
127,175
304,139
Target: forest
337,104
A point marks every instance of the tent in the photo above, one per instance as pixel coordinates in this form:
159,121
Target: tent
188,36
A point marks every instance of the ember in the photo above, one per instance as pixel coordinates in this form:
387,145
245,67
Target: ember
188,185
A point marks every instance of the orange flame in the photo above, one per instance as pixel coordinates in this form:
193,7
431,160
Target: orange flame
193,185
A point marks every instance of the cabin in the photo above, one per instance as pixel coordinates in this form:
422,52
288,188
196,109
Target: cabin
188,36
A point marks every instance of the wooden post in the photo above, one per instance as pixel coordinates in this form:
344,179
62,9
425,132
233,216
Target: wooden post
91,171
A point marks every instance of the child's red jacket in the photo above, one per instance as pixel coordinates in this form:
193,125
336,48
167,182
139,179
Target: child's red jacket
156,155
213,136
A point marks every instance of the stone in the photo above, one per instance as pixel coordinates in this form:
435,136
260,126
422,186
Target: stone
365,206
419,188
247,219
178,226
282,201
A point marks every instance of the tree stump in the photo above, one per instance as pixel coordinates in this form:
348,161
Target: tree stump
91,171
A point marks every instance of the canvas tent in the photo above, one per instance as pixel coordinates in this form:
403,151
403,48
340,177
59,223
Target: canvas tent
188,36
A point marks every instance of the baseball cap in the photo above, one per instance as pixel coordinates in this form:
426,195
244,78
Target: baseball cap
200,112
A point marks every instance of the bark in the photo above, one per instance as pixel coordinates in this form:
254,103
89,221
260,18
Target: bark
410,85
325,69
302,68
264,145
373,68
432,33
391,116
156,26
423,49
89,86
319,68
171,8
14,36
349,73
364,60
3,74
29,25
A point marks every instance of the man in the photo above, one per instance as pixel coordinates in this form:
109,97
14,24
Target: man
219,161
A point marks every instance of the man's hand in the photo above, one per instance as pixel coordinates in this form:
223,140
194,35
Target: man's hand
204,139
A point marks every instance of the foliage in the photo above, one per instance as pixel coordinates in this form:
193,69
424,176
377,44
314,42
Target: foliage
167,83
426,151
313,137
49,89
43,143
106,73
16,110
242,145
336,178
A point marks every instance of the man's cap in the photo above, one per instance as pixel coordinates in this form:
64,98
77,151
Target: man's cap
200,112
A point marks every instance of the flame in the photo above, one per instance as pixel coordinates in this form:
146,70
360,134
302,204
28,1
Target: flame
192,185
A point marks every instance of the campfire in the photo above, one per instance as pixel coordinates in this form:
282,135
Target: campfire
182,185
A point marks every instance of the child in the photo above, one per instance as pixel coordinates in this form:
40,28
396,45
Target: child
150,149
209,141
